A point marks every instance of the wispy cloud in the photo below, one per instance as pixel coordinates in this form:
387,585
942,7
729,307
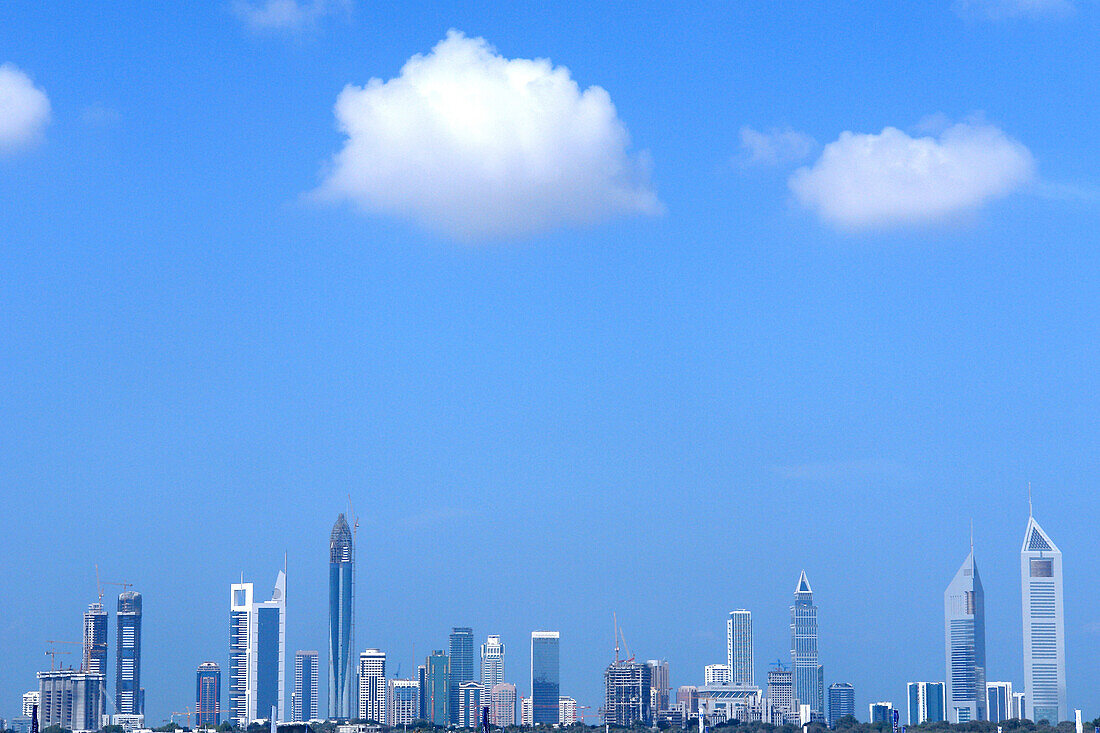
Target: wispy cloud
480,147
287,15
827,471
24,110
890,178
1004,9
775,146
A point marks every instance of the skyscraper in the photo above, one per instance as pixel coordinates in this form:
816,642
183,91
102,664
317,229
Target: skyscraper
470,697
492,662
257,653
1044,626
341,622
964,634
128,655
70,699
567,710
842,701
402,702
304,703
809,680
502,705
659,685
781,692
739,647
462,667
627,694
95,639
372,686
545,689
436,690
927,702
208,695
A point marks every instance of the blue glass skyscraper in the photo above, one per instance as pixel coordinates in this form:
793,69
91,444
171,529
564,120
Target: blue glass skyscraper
342,692
545,677
462,668
964,632
128,654
208,695
809,679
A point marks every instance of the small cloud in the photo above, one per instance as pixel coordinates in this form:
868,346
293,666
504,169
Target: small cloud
476,146
866,180
99,115
826,471
24,110
775,147
287,15
1005,9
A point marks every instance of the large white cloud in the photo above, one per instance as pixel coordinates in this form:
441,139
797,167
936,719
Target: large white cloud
477,146
891,178
24,109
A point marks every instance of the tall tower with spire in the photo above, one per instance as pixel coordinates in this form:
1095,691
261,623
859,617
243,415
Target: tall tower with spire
342,693
809,677
964,638
1044,625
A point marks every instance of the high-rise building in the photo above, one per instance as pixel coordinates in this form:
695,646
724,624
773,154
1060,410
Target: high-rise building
567,710
626,694
502,705
842,701
1044,626
257,653
658,686
998,702
95,639
30,699
342,689
881,712
1019,709
208,695
70,699
470,696
462,665
739,647
307,677
436,688
717,674
964,634
545,689
402,702
927,702
128,654
492,662
372,686
688,696
809,679
525,717
781,693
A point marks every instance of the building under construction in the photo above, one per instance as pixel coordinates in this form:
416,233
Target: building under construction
70,699
627,694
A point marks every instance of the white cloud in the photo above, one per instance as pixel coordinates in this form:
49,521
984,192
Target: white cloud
24,110
891,178
776,146
1000,9
478,146
286,15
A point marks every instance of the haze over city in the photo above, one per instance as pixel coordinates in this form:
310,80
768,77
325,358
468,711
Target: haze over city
590,315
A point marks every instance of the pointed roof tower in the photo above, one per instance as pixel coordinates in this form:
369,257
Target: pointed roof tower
340,543
803,590
1036,540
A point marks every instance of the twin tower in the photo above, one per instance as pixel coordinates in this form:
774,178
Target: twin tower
1044,695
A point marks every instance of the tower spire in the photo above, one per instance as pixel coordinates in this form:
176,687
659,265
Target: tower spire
972,535
1030,514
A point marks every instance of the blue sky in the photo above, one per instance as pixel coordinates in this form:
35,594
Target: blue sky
217,322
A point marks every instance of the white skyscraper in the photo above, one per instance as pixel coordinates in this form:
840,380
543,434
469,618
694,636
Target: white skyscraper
372,685
30,699
739,647
492,662
257,653
1044,626
567,710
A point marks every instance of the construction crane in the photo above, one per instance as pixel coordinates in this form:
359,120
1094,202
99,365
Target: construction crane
187,714
618,635
53,654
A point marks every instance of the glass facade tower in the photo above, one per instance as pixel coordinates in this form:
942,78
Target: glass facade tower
545,687
492,662
208,695
342,688
842,701
1044,626
306,678
128,655
964,634
809,680
462,667
739,647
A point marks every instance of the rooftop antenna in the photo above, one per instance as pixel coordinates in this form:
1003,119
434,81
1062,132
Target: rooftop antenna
615,620
1030,515
972,535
